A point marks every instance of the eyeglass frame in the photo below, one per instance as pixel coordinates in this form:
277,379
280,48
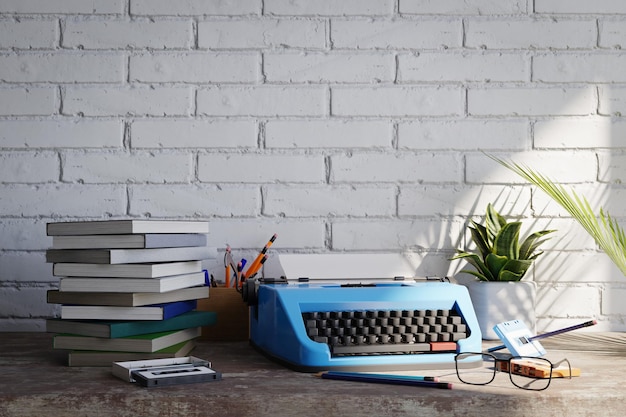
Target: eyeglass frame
508,360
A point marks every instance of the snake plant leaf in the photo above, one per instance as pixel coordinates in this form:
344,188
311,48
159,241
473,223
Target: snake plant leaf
514,269
507,241
495,263
494,222
531,243
482,271
480,238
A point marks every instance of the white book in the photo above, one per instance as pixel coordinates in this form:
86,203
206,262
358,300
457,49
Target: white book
130,256
139,241
149,270
131,285
130,226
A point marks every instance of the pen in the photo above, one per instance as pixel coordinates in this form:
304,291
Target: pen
254,266
553,333
382,379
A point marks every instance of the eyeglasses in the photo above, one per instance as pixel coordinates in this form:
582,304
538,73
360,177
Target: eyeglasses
525,372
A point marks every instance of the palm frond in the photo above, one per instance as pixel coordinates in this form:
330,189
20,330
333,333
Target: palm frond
604,229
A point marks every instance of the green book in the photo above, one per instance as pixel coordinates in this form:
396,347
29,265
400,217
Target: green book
139,343
117,329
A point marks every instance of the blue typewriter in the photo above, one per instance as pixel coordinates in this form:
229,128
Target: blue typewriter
361,323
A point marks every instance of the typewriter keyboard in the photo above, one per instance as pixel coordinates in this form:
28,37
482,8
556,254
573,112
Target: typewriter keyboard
381,332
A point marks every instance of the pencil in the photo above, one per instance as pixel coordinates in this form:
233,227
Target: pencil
256,264
382,379
390,376
553,333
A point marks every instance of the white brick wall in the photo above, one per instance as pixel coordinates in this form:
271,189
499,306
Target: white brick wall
354,125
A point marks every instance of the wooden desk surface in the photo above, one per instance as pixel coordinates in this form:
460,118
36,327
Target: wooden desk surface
34,381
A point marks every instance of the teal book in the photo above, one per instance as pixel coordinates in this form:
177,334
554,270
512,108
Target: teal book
117,329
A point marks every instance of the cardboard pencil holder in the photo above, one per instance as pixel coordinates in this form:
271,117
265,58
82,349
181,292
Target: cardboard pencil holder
232,315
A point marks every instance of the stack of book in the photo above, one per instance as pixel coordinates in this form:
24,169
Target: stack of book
128,289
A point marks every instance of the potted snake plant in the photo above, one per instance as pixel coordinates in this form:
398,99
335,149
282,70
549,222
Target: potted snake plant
500,263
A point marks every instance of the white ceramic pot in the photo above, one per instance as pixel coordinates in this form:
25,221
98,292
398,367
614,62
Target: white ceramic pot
497,302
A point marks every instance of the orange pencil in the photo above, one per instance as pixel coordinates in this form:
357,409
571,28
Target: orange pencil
256,264
227,267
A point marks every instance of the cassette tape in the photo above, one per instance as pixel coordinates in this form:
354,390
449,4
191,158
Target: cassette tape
164,372
518,339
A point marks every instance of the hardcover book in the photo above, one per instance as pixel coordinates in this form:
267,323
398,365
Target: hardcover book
117,329
124,299
154,312
151,342
100,358
68,285
130,256
122,227
148,270
141,241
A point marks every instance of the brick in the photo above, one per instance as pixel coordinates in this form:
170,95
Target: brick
62,67
62,200
114,34
447,201
531,33
328,7
397,101
54,134
261,168
28,34
611,168
24,267
464,135
329,67
32,302
580,7
423,167
394,235
137,167
192,201
578,67
186,133
328,134
522,101
28,101
262,34
480,169
112,101
578,301
24,325
196,67
194,7
397,34
262,101
25,167
579,133
596,193
252,234
62,6
478,67
612,100
612,302
361,201
452,7
24,234
612,34
575,268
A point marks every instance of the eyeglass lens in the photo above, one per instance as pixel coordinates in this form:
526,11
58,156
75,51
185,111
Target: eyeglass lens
475,368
